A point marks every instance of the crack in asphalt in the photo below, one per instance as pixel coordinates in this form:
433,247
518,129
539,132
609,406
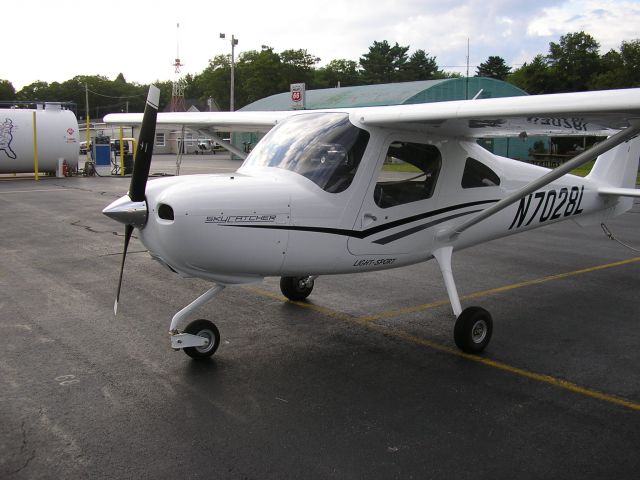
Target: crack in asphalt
23,449
93,230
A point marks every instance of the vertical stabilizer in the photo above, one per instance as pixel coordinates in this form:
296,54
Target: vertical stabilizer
619,166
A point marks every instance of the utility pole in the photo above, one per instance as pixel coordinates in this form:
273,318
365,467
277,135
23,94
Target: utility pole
86,99
466,96
234,42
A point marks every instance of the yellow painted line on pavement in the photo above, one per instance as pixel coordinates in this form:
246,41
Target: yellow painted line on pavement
309,306
539,377
368,323
493,291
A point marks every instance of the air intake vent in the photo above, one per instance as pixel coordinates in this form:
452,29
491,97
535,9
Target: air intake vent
165,212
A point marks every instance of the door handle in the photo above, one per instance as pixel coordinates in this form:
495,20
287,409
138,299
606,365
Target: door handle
368,219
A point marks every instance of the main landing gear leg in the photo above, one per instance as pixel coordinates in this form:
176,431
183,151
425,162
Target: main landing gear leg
201,338
474,325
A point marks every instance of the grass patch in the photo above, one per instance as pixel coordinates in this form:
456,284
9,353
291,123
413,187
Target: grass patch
400,167
584,170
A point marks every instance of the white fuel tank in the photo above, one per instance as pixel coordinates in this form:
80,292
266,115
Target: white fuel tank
57,133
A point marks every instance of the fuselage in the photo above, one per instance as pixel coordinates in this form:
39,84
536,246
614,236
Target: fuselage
286,214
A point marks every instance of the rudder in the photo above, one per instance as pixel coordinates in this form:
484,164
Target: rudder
619,166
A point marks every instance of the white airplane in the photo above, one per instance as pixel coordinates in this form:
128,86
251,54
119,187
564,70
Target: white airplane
315,198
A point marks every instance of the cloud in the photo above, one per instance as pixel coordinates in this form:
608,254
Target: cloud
138,38
610,22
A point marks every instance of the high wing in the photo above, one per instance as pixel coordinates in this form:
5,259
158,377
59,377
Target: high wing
585,113
599,113
209,121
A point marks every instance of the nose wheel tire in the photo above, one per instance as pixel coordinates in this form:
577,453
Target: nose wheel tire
296,288
203,328
473,330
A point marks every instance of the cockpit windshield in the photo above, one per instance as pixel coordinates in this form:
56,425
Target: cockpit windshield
326,148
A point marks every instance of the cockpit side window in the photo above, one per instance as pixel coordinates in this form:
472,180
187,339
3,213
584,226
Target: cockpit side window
477,174
326,148
409,174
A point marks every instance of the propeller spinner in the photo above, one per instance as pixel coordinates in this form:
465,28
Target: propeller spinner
132,208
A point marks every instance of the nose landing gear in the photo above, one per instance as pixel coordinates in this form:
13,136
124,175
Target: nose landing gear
201,338
207,330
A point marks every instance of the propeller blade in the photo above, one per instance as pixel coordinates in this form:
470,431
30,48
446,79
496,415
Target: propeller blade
138,180
145,146
128,230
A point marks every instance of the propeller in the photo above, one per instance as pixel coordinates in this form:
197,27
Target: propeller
132,209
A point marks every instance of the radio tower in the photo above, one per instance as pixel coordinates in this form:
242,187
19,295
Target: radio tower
177,93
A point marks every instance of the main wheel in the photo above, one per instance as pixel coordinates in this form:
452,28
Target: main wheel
203,328
296,288
473,330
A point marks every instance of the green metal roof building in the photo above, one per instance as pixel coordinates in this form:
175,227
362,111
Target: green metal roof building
404,93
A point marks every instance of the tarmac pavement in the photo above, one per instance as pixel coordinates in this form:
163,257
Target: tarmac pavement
361,381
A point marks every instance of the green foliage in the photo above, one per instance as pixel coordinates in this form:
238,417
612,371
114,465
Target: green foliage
338,72
572,64
383,63
493,67
258,75
421,66
574,61
535,77
105,96
7,92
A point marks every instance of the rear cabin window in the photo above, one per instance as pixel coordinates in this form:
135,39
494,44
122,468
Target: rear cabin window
408,175
477,174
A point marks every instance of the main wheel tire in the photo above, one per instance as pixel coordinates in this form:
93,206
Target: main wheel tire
296,288
473,330
203,328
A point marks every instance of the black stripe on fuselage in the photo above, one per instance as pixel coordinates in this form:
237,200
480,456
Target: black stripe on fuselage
419,228
381,228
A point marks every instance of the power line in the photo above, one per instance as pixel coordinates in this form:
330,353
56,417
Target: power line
111,96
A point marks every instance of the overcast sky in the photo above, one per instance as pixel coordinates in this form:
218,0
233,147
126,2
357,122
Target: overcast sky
54,40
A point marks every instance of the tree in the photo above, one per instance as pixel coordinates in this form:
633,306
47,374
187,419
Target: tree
215,80
630,54
535,77
259,74
7,92
34,91
383,63
613,73
338,72
191,87
298,66
494,67
421,66
575,60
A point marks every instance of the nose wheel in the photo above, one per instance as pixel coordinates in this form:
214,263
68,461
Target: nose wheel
208,330
200,338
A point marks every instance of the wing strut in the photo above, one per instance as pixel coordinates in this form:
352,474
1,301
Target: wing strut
224,144
580,159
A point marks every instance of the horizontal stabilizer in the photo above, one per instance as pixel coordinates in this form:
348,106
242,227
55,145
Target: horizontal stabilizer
619,192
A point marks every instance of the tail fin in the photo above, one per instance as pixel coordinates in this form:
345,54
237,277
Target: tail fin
615,173
618,167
